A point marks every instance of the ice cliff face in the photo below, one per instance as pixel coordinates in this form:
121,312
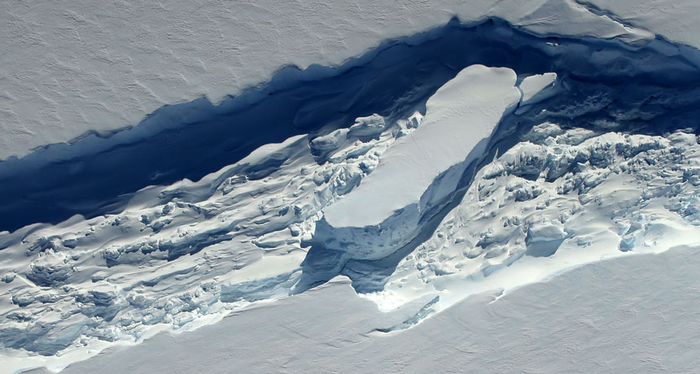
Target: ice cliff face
480,157
420,171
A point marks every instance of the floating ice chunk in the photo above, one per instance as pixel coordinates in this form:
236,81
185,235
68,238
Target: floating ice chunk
533,87
543,240
368,126
543,133
9,277
537,88
545,233
328,142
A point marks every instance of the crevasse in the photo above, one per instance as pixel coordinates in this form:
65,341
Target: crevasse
179,219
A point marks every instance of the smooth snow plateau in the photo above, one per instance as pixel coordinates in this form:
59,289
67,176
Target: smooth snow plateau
72,69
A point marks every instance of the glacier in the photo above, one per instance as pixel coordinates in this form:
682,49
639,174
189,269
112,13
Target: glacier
627,315
560,152
82,69
468,107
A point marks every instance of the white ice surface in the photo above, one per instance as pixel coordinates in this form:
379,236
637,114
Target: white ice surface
560,198
629,315
67,68
532,85
676,20
462,114
516,224
132,274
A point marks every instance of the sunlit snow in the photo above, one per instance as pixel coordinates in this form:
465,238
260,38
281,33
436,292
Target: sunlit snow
459,181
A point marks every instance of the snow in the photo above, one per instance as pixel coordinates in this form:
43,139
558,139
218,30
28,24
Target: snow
515,225
468,108
674,21
69,70
569,191
367,126
178,256
628,315
421,171
532,88
473,211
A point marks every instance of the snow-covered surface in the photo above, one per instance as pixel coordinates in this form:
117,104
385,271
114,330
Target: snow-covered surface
168,264
552,203
468,108
532,87
186,255
595,157
676,20
71,68
630,315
